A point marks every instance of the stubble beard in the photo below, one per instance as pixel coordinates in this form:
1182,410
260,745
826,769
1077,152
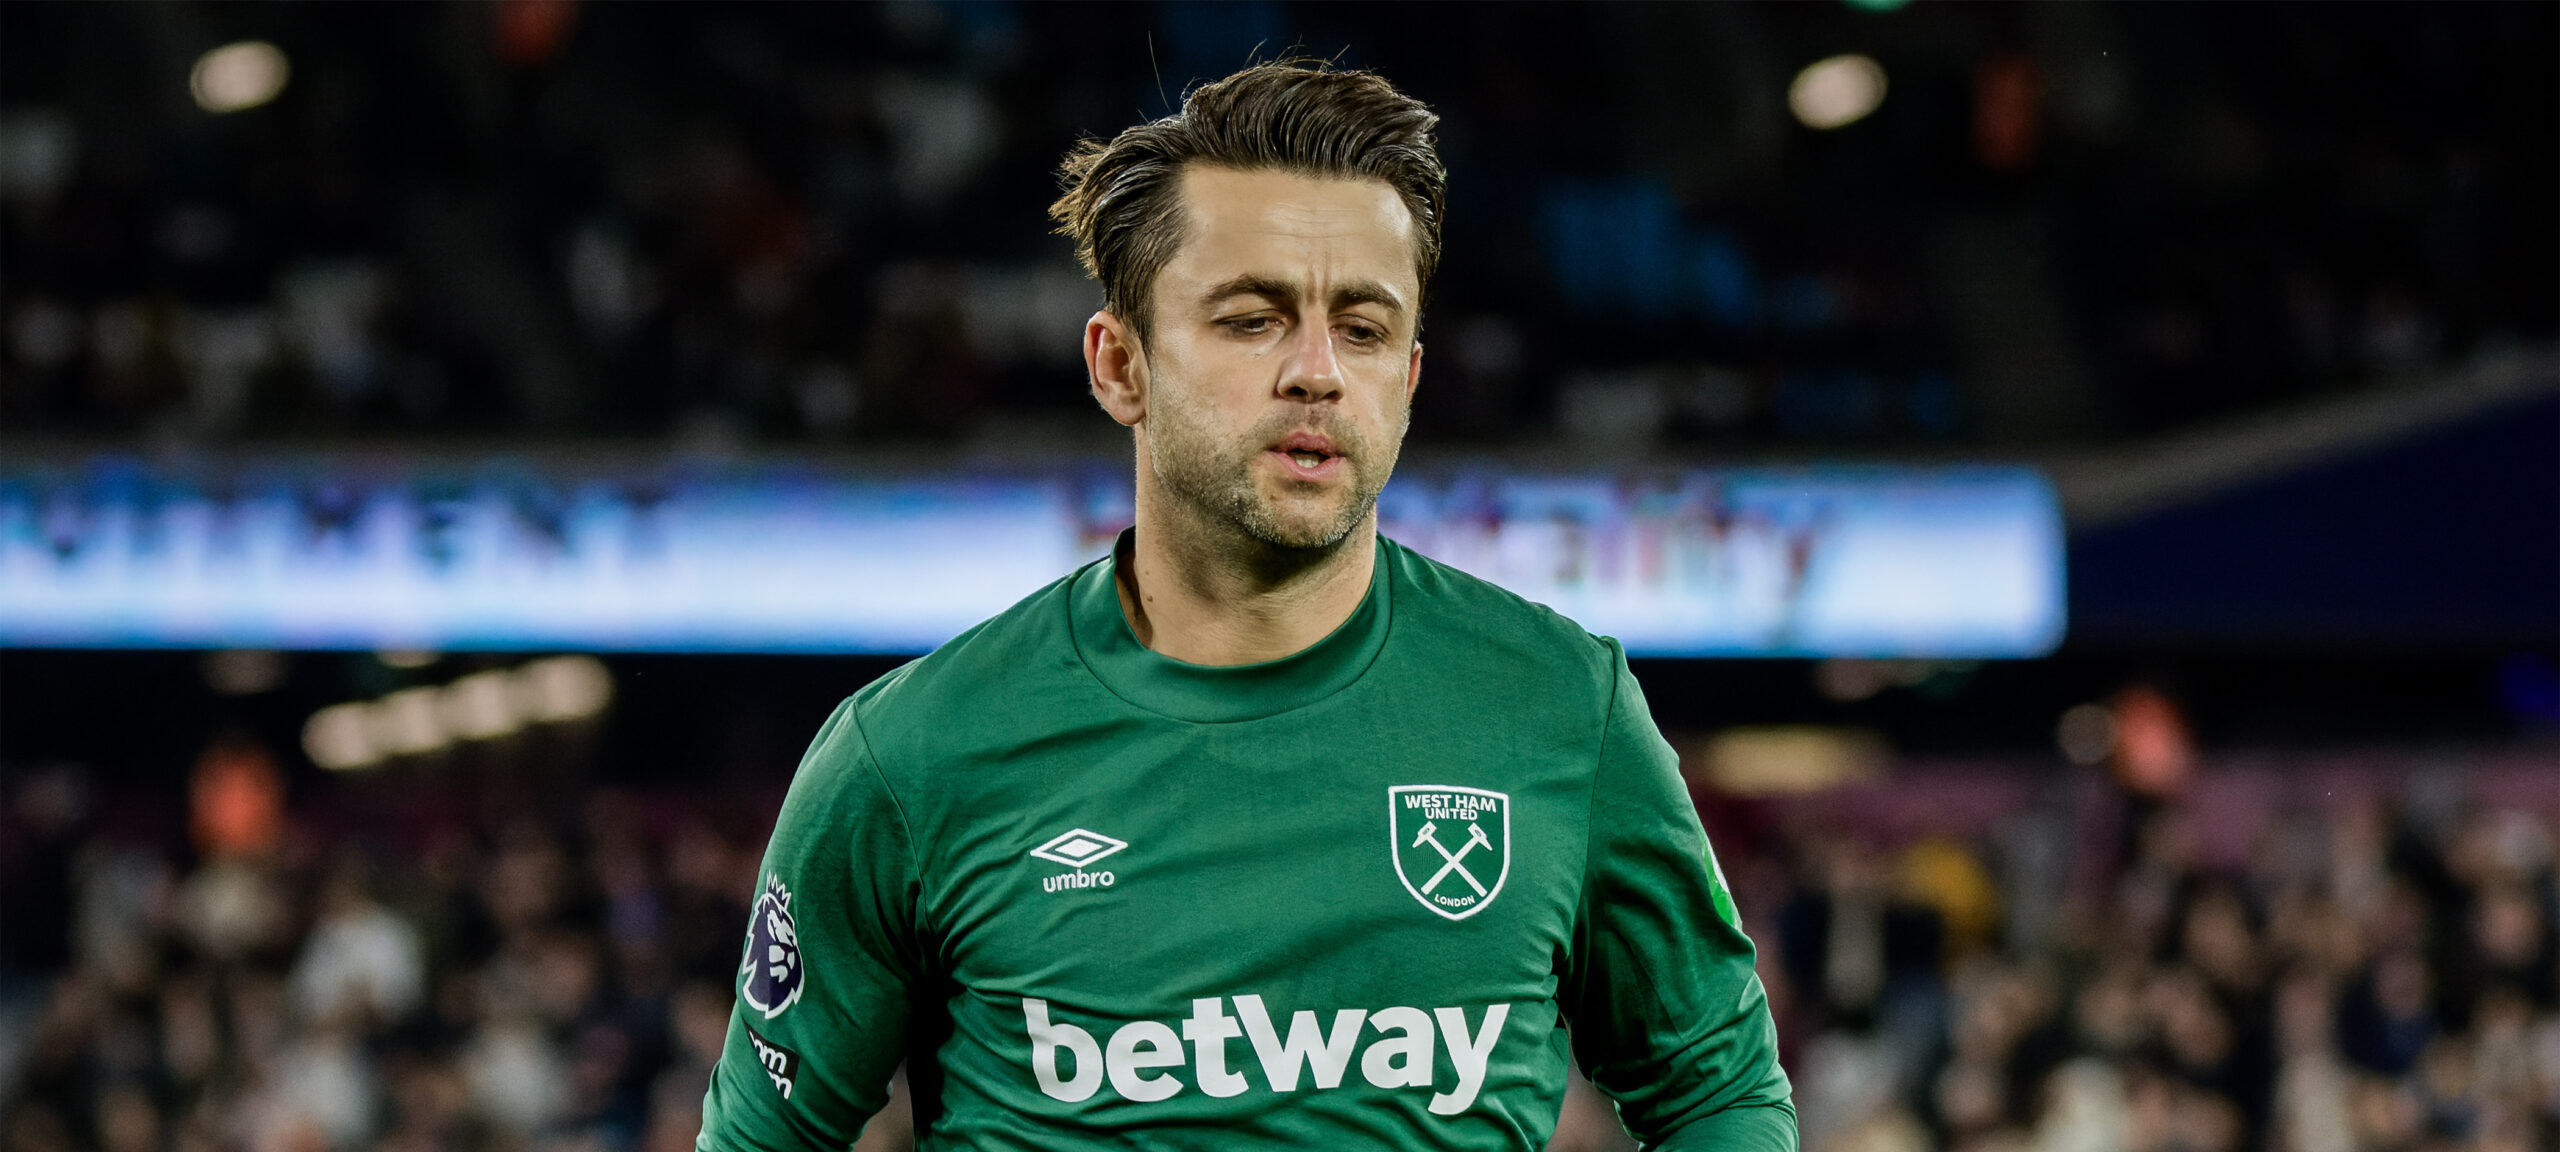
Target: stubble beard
1216,478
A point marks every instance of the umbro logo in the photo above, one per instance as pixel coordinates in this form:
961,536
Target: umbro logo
1077,848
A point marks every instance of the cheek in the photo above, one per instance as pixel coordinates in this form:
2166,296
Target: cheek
1190,418
1212,377
1392,396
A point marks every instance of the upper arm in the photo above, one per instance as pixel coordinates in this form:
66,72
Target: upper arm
831,958
1667,1013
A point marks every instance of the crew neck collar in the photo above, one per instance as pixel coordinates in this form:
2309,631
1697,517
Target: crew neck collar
1209,693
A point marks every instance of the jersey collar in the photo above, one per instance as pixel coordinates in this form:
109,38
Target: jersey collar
1204,693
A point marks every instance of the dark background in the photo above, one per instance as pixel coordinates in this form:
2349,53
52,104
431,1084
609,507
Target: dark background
2270,291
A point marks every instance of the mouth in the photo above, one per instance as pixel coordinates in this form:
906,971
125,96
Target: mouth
1308,455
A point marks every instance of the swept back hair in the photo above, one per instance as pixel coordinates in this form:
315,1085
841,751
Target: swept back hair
1121,199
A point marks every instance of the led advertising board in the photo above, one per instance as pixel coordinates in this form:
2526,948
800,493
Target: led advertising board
521,554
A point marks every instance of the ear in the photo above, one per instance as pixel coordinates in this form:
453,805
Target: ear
1115,368
1413,373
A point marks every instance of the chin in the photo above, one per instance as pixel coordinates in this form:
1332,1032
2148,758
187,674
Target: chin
1301,529
1312,539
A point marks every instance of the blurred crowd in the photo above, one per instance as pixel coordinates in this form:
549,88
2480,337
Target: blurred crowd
2071,969
732,224
2362,974
557,981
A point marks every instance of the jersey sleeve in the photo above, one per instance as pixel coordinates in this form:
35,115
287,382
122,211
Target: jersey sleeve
1667,1014
830,959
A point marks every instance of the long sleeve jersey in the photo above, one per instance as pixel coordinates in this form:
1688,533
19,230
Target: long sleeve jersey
1368,895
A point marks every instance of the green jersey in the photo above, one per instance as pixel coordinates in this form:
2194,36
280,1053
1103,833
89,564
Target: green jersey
1362,896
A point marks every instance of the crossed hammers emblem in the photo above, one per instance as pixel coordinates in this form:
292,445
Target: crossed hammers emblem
1430,835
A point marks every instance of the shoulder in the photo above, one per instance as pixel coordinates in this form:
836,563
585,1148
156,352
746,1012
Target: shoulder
954,689
1460,617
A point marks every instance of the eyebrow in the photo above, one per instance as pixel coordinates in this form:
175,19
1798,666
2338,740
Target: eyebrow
1351,292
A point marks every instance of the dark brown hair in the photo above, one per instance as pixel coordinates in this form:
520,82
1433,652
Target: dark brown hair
1122,200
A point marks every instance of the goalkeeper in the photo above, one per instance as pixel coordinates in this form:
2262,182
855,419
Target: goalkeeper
1262,831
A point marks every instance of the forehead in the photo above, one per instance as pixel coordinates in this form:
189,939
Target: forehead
1291,224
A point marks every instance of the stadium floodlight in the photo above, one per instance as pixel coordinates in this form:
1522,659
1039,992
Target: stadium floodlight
339,738
408,723
481,706
564,688
1836,92
238,77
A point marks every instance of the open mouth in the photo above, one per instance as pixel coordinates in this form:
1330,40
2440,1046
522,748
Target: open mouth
1309,454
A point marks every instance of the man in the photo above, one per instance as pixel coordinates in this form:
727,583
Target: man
1263,831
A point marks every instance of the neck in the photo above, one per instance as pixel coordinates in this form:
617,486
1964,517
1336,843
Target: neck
1204,592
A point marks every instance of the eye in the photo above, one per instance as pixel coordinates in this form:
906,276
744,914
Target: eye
1250,325
1364,333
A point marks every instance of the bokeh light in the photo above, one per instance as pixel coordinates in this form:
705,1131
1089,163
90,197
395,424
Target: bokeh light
1836,92
238,77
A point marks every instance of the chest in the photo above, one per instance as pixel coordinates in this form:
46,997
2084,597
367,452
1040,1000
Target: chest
1329,863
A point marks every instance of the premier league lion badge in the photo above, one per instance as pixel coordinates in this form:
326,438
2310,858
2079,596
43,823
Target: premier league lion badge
1451,845
772,965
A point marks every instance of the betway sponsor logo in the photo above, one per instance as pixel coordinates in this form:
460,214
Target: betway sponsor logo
1071,1065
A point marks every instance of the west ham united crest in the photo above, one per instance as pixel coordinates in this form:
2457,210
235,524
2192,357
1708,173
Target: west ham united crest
772,964
1452,845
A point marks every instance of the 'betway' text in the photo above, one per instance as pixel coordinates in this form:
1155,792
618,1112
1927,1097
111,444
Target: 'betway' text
1071,1065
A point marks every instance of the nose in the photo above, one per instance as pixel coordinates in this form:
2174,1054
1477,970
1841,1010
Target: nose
1313,371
